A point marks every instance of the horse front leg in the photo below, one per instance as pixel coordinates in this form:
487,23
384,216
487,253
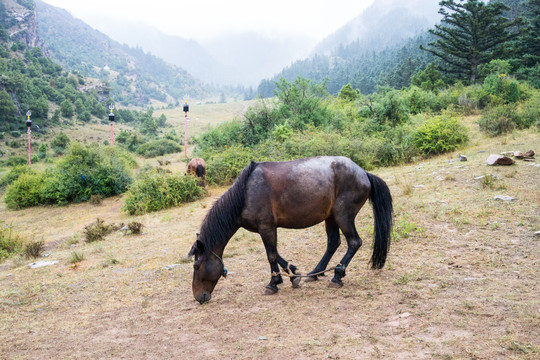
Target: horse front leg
290,268
269,237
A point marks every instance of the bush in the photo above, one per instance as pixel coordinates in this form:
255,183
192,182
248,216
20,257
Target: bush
439,135
17,160
25,191
154,191
10,242
224,165
34,248
60,142
420,100
84,171
530,112
97,231
499,120
158,148
14,174
502,86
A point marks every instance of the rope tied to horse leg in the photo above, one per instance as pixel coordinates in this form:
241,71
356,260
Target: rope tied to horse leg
301,275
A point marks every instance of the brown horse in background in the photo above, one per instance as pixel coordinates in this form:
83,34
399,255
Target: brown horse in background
197,166
293,194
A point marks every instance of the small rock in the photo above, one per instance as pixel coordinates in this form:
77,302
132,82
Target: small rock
480,177
537,233
504,198
262,338
171,267
529,159
39,264
495,159
462,158
419,186
518,154
529,154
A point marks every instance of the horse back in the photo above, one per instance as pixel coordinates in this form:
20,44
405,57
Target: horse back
301,193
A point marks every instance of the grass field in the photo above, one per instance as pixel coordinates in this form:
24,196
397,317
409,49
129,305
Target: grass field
462,280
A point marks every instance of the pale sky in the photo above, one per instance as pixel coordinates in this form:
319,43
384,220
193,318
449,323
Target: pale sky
204,19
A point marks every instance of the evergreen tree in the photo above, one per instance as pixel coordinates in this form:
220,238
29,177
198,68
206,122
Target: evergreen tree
531,36
471,33
7,108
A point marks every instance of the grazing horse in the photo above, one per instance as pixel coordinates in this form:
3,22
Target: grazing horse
197,167
292,194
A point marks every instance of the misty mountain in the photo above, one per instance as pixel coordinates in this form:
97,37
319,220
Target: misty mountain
231,59
135,77
384,24
379,47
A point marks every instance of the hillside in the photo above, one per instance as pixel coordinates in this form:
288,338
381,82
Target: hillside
136,77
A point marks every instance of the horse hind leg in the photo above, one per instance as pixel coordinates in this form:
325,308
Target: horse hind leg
289,268
353,244
333,242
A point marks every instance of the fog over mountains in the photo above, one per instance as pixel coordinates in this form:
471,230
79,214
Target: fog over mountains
246,58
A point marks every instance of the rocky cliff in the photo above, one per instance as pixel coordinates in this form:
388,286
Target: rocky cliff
20,21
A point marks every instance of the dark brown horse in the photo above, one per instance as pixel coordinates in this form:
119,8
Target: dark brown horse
292,194
197,166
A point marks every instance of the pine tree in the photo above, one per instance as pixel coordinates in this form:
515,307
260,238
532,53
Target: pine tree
531,36
471,33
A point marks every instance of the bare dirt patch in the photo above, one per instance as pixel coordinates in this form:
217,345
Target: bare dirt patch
461,281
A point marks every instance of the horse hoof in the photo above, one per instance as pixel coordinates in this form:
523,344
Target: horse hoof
335,284
311,278
296,282
270,291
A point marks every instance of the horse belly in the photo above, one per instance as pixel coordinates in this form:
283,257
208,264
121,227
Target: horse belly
298,208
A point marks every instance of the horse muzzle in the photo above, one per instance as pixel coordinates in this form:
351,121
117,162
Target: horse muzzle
203,297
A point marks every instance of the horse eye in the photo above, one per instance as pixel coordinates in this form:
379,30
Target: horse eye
196,266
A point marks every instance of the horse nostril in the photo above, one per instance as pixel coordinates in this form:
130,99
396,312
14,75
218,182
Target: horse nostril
204,297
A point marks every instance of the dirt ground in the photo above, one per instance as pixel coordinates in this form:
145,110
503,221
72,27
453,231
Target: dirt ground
461,281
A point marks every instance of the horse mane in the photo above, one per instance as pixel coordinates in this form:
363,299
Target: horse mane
222,220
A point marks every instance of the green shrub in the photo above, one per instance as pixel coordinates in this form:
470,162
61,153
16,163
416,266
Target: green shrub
226,134
154,191
420,100
60,141
25,191
97,231
158,148
530,112
17,160
82,172
10,242
467,98
499,120
439,135
502,86
223,166
14,174
391,107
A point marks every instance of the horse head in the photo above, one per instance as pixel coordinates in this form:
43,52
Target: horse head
207,269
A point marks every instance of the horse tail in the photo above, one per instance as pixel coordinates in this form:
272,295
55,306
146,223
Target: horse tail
381,200
200,170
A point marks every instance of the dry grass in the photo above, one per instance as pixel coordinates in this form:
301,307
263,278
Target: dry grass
461,281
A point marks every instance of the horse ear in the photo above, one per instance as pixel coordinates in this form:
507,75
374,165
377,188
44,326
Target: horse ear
200,246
